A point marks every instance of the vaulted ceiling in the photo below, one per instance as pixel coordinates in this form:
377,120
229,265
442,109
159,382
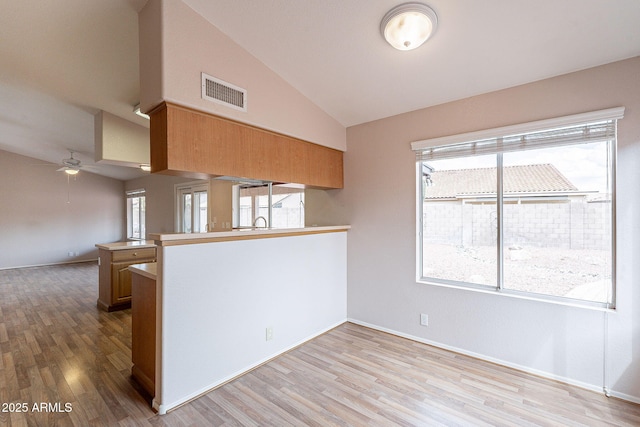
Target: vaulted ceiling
64,61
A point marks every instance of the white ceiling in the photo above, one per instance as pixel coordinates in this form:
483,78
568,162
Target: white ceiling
63,61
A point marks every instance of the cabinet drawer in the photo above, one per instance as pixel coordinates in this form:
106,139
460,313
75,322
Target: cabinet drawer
133,254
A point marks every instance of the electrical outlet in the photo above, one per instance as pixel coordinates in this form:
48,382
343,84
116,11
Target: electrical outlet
424,319
69,253
269,334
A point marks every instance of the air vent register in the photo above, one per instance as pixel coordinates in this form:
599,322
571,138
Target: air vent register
223,93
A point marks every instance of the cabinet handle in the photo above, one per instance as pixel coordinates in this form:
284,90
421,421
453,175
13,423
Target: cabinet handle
135,254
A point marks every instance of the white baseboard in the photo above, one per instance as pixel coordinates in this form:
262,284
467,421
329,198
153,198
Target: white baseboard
77,261
624,396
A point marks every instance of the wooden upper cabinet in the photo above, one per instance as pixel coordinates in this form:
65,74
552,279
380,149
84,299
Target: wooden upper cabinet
191,143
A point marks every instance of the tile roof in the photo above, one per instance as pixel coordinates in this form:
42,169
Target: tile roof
540,178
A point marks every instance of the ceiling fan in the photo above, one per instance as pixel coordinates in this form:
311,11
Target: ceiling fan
70,166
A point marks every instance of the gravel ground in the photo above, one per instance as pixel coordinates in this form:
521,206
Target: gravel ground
549,271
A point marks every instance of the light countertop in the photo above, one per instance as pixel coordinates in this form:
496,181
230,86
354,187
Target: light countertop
246,234
133,244
148,269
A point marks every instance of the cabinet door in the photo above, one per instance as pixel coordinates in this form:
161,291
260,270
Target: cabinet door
121,282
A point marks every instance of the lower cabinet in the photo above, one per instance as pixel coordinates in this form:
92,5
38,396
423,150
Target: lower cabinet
114,282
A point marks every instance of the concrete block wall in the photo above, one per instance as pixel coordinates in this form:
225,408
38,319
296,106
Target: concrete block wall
567,225
597,226
442,222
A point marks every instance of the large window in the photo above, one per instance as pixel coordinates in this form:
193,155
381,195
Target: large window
528,211
136,215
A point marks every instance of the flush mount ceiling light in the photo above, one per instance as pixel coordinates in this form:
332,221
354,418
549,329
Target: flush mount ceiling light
408,25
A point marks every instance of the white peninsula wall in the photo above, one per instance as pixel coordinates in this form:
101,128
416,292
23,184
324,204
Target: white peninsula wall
217,299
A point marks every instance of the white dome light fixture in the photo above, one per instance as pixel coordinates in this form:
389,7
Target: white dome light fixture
408,25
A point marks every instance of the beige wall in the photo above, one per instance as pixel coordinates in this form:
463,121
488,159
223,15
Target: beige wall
177,45
43,217
221,205
159,199
379,201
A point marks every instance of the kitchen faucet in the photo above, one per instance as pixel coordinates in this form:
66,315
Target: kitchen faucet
256,221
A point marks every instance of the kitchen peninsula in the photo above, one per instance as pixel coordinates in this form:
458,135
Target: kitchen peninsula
227,302
114,281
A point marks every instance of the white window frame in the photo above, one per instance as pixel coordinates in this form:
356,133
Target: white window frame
271,218
132,194
192,187
451,144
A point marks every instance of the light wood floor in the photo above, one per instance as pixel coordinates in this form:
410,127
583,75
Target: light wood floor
58,349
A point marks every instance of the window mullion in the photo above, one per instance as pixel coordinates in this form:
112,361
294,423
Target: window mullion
270,205
139,236
193,211
499,220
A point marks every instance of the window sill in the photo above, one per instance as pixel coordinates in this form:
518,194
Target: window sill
589,305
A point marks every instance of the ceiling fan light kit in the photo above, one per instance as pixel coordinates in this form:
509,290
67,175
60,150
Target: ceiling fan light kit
71,171
409,25
70,166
